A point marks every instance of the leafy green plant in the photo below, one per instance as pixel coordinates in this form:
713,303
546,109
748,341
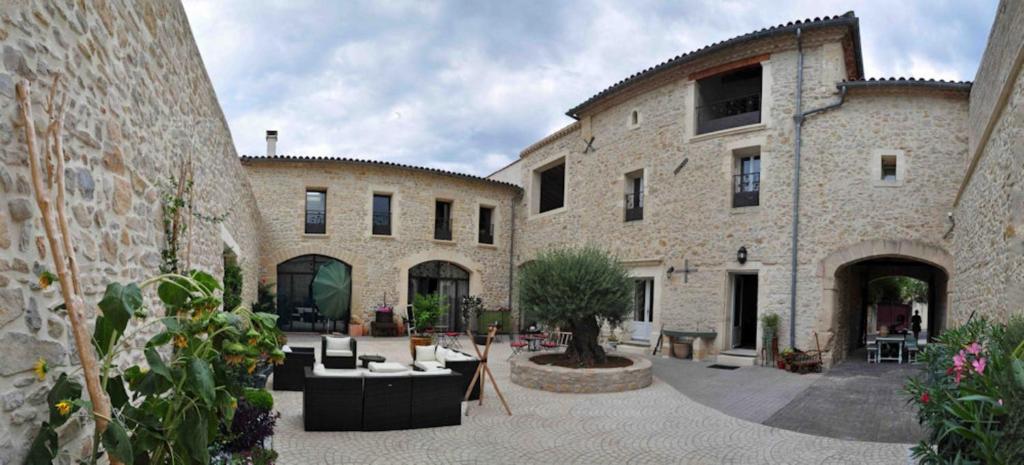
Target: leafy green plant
232,281
170,410
971,396
265,298
472,308
578,290
770,324
426,309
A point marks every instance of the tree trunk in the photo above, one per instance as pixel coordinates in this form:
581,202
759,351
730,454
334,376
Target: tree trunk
584,348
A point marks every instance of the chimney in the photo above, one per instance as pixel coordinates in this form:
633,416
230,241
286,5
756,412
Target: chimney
271,143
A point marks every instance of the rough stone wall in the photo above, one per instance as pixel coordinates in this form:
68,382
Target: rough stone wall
688,216
379,262
988,241
139,100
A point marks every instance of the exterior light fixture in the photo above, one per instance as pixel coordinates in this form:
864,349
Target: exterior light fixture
741,255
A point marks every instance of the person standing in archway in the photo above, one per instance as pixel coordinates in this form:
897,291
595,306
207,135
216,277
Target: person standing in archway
915,324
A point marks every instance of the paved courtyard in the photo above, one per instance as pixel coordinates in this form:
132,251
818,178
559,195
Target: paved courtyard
655,425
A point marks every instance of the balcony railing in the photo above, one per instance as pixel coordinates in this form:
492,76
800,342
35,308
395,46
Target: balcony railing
382,223
729,113
443,229
635,206
486,234
746,190
316,222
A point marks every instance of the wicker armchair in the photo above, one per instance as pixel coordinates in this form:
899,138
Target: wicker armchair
338,358
386,400
290,375
332,403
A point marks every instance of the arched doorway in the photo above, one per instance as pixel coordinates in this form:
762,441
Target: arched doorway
447,279
295,306
854,305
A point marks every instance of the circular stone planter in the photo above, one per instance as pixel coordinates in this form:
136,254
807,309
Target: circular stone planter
581,380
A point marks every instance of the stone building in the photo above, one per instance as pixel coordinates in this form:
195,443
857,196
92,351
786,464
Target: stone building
685,170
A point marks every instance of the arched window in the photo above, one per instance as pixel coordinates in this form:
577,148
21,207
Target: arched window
295,306
447,279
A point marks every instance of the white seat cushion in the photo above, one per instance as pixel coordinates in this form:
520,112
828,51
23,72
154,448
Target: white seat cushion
286,349
429,365
319,370
457,357
339,353
387,367
439,371
387,374
425,353
339,343
441,354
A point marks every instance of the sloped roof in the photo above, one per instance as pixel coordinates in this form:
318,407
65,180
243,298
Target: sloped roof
908,82
364,162
848,19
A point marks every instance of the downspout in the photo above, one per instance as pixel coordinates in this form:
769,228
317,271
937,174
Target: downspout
512,254
798,119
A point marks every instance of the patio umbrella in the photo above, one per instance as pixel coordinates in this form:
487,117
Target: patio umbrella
332,287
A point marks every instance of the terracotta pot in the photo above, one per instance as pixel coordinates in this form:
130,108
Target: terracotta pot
680,349
355,329
418,341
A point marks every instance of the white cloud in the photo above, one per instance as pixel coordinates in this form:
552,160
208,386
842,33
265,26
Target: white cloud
466,86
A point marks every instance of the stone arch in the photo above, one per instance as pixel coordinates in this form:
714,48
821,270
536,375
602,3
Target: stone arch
475,272
841,259
268,270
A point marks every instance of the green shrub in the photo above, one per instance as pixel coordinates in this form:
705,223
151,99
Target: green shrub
426,309
232,281
577,289
259,398
971,397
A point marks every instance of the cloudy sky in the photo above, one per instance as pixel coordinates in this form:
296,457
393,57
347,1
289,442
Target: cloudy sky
465,85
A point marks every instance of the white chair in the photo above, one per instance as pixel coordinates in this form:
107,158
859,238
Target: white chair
911,345
872,346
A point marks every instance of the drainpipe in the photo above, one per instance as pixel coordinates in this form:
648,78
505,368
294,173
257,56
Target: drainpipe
798,119
512,254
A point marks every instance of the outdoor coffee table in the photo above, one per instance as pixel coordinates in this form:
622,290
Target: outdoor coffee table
366,359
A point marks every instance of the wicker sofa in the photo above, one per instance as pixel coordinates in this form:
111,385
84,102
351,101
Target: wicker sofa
360,400
427,358
290,375
336,352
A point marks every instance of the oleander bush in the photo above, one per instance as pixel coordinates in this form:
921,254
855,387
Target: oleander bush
970,398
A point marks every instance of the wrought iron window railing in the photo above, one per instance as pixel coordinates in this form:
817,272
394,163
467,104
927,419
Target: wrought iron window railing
443,229
746,190
316,222
729,113
382,223
486,234
635,206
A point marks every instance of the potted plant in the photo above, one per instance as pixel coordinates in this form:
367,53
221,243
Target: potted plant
426,309
384,313
769,331
355,326
472,309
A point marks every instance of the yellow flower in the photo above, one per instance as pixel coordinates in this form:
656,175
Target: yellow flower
234,359
41,368
252,368
234,403
180,341
46,278
63,407
253,341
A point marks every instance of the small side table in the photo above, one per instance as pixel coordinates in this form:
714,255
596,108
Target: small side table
366,359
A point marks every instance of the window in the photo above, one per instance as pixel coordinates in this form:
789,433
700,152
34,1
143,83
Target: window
443,220
552,188
746,184
729,100
889,168
316,212
382,214
635,196
634,119
486,235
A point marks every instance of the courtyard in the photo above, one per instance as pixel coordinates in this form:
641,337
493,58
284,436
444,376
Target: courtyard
657,424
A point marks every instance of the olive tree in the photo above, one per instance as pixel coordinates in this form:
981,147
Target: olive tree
577,289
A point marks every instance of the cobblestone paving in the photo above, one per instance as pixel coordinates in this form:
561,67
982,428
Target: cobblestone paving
655,425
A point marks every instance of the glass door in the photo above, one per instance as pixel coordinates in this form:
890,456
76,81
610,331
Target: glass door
643,308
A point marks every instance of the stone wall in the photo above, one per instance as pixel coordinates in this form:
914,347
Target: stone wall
988,241
688,214
139,102
380,263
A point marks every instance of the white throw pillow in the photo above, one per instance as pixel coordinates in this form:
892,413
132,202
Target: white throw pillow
286,349
441,354
425,354
339,343
387,367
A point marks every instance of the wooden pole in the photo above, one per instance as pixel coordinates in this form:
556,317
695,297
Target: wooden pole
59,238
482,372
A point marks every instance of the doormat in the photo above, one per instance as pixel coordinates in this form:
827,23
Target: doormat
722,367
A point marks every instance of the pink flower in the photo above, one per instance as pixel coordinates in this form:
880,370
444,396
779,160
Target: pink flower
973,349
959,374
979,365
925,398
959,360
1000,402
